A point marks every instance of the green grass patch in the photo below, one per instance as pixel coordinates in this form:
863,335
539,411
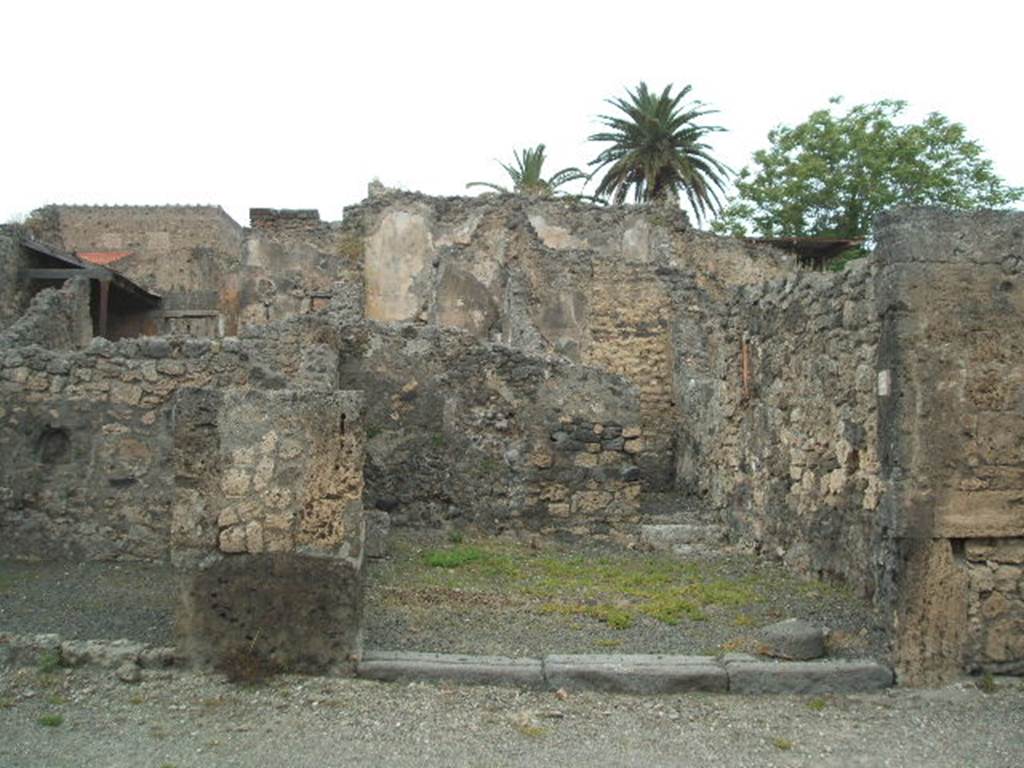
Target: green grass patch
782,744
454,557
51,720
615,588
817,704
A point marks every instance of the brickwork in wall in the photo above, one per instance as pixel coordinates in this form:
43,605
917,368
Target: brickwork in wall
629,334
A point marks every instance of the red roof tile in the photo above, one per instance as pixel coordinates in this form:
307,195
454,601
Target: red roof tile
102,257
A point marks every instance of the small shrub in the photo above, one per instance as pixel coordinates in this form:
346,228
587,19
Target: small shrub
51,721
987,684
246,666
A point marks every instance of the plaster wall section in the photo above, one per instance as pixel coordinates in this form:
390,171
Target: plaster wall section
951,296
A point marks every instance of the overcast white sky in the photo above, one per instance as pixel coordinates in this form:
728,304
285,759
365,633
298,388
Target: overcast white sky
299,104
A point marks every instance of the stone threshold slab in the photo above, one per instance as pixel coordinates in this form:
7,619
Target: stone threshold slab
632,673
610,673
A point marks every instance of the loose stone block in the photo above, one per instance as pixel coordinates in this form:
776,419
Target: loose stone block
794,639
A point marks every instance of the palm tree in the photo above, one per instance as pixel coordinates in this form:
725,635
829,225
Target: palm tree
526,175
657,150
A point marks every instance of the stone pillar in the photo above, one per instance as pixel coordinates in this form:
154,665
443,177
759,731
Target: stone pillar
951,437
267,528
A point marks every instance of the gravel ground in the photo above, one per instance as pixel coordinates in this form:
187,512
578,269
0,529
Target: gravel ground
89,601
136,601
188,720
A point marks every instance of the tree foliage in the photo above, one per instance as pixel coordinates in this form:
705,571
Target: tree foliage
657,151
830,175
527,176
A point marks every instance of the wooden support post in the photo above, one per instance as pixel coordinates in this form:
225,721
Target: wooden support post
745,369
104,305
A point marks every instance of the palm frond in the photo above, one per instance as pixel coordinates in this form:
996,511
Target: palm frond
656,151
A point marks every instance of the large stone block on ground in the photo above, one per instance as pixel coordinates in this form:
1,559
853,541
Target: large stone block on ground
295,612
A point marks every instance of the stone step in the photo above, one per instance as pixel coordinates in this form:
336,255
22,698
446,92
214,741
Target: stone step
683,538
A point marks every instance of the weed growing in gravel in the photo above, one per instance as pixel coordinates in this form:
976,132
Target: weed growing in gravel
51,721
987,684
244,665
817,704
49,663
783,744
6,702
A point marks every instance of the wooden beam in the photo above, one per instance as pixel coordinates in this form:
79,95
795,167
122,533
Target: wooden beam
104,302
38,273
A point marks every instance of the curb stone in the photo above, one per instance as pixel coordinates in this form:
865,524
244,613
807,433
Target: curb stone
813,677
639,673
611,673
481,670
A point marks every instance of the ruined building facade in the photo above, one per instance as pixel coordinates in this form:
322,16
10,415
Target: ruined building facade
173,385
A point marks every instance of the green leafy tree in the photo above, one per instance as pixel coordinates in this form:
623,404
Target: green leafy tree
657,151
830,175
527,176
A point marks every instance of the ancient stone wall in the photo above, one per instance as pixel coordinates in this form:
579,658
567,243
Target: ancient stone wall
593,284
780,432
466,432
215,277
55,319
187,254
86,470
294,264
13,297
951,385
